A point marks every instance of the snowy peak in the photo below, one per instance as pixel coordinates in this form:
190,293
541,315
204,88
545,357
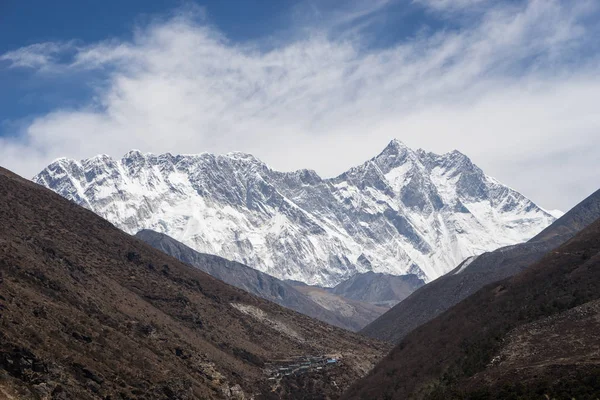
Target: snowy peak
395,151
396,144
396,155
403,211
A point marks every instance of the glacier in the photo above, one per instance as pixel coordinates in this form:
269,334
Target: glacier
403,211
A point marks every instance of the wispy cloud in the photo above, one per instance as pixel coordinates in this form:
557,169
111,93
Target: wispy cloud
454,5
350,16
38,56
503,89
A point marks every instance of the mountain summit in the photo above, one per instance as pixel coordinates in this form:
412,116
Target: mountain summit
403,211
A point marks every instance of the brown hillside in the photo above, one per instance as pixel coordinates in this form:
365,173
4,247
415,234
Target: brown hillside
526,337
87,311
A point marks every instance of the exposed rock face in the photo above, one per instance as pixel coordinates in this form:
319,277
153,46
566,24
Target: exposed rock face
401,212
475,272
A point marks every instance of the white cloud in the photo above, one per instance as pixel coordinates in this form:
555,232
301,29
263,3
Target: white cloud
504,90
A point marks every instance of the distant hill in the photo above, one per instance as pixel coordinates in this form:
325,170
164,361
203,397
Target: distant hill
87,311
474,273
378,288
531,336
360,313
364,296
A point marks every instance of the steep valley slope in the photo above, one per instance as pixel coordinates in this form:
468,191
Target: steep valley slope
336,310
89,312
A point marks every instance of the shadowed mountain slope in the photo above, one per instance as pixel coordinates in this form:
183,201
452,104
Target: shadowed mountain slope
360,313
87,311
378,288
472,274
573,221
354,315
527,337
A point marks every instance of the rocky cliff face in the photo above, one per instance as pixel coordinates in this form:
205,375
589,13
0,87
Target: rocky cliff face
403,211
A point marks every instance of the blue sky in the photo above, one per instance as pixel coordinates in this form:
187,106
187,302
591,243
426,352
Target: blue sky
27,22
321,84
268,22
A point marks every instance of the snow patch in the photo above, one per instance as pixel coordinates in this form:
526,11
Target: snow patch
465,264
555,213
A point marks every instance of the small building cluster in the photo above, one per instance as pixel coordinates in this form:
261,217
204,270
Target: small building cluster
281,368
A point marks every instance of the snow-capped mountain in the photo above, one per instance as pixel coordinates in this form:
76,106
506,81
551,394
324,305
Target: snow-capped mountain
403,211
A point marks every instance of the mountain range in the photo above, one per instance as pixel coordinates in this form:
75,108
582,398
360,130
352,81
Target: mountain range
402,212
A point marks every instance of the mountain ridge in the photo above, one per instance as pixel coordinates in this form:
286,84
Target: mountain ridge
403,211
